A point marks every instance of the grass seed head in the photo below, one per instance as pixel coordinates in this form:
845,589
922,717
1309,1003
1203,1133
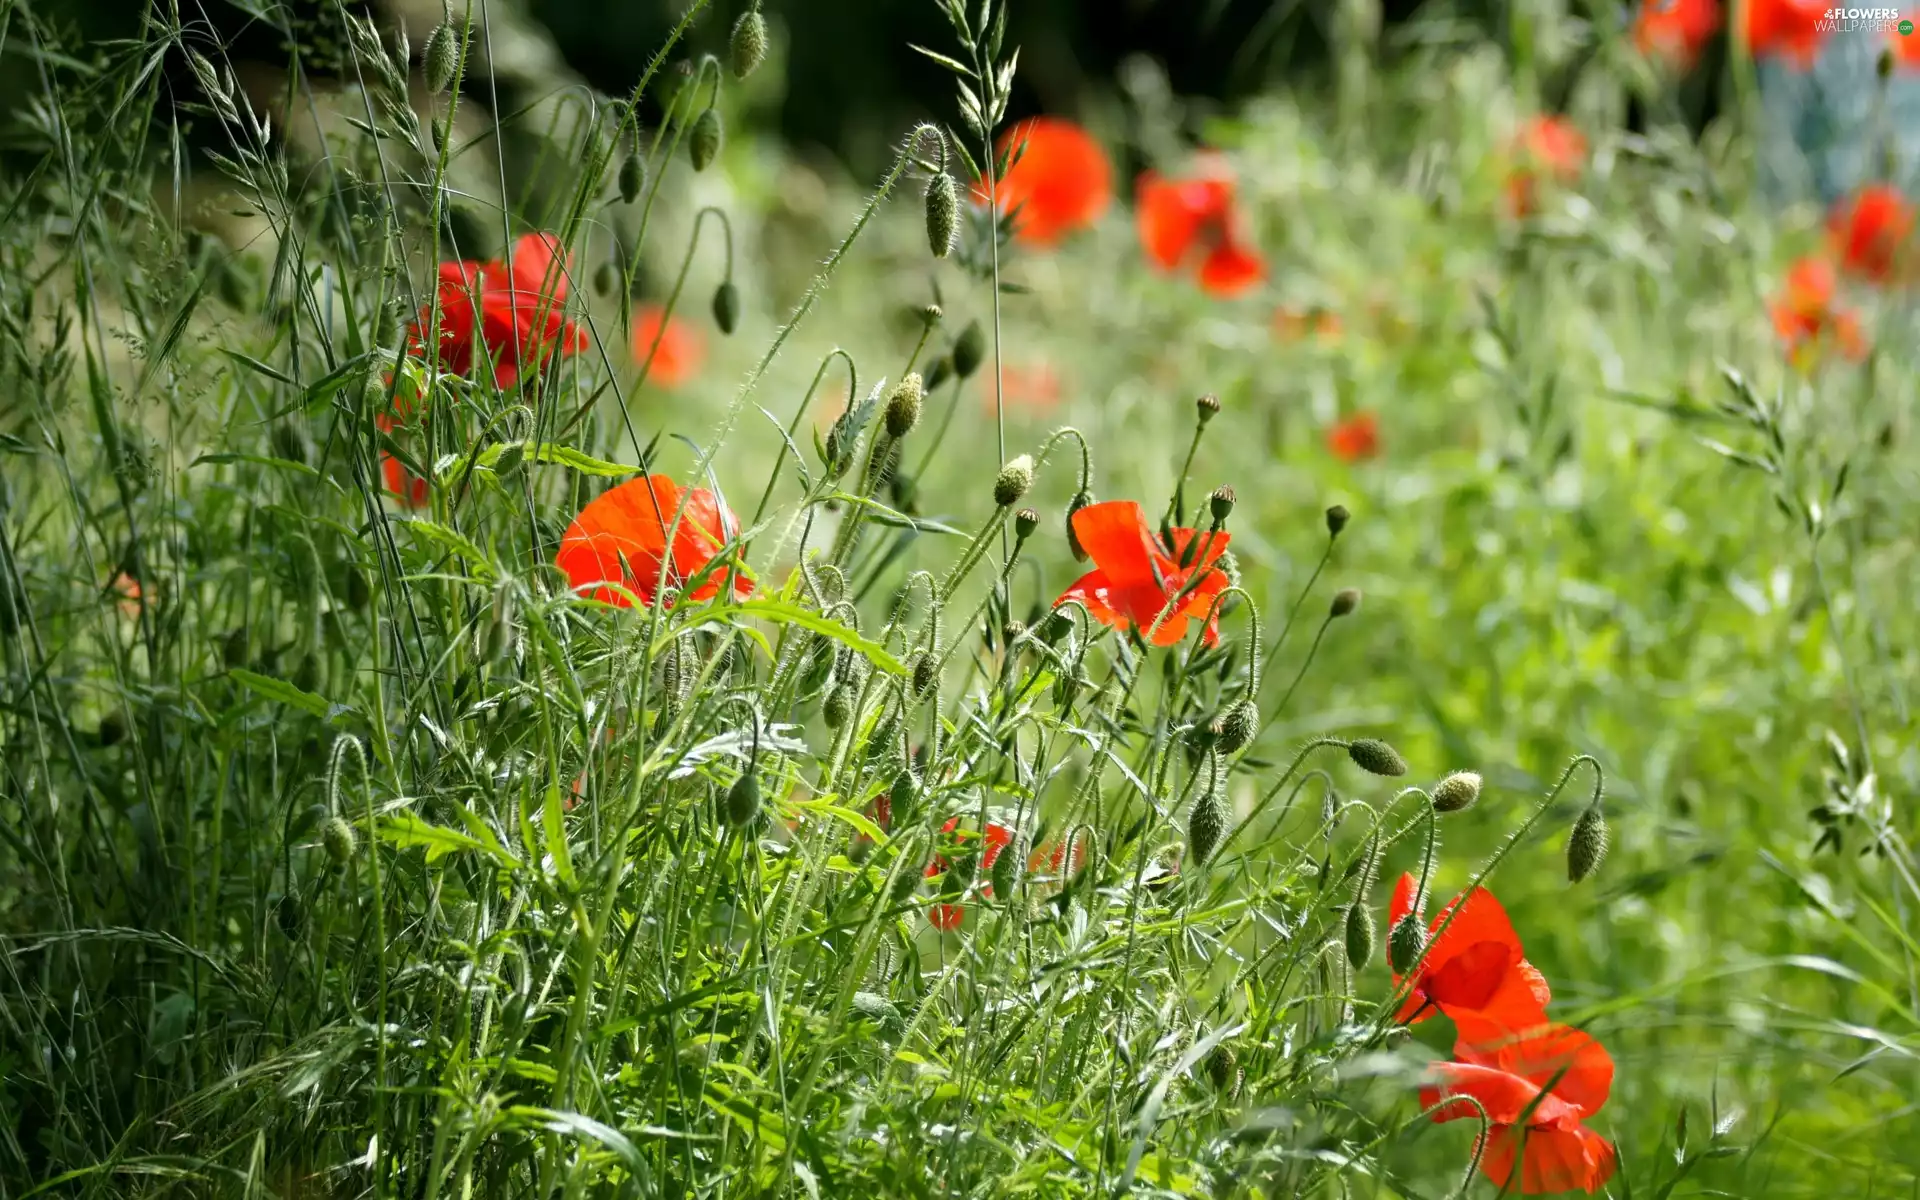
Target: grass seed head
1375,756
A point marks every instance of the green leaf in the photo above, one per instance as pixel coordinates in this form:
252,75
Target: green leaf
575,1124
565,456
406,830
555,827
282,692
455,542
790,614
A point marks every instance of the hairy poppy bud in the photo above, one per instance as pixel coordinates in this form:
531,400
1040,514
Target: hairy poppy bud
442,56
233,651
1220,504
1345,601
1080,500
839,705
903,405
926,674
743,800
1206,825
1360,934
1223,1070
306,674
1235,729
1374,755
1405,941
1337,519
291,916
604,277
969,349
939,371
512,456
439,130
1883,66
289,443
703,143
113,729
356,588
1456,792
1587,845
1024,523
1208,407
943,214
748,49
339,839
1007,870
633,176
726,306
1013,481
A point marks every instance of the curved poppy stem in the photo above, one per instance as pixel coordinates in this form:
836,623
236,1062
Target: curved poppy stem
1253,622
1310,747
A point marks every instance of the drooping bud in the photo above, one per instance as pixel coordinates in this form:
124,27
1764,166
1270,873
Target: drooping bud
113,729
1223,1070
633,176
943,214
1883,66
1456,792
438,129
1206,825
939,371
1374,755
726,306
926,674
289,443
1013,481
969,349
1235,729
1207,407
356,588
604,277
1080,500
512,456
1220,504
442,56
1360,933
703,143
1337,517
903,405
339,839
1008,868
306,673
233,651
290,916
1345,601
748,49
1405,941
1024,523
1587,845
743,800
839,705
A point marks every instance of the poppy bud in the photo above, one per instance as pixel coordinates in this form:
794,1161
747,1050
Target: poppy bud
1374,755
703,144
439,130
932,314
1405,941
604,277
903,886
358,590
633,176
339,839
939,371
726,306
943,214
1587,845
1024,523
969,349
926,675
512,456
442,56
1013,481
903,405
1337,519
306,676
1360,934
1220,504
1456,792
233,651
839,705
1235,729
1208,407
1345,601
748,49
291,916
743,800
1223,1070
113,729
1080,500
900,795
1883,67
1006,874
1206,825
289,443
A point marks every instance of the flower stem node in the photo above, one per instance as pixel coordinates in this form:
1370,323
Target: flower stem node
1220,505
1587,845
1457,792
1346,602
1024,523
1375,756
339,839
748,48
943,214
743,800
1337,518
903,405
703,143
1013,481
969,349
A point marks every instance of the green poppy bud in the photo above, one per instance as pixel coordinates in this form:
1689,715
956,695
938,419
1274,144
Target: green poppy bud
748,49
703,143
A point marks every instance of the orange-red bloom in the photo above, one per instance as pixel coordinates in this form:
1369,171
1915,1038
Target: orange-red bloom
947,917
1806,315
1675,31
1789,28
1061,181
1138,580
1537,1090
510,310
681,350
1031,387
1474,970
1905,47
1869,232
1194,222
1547,147
1293,324
1356,438
621,538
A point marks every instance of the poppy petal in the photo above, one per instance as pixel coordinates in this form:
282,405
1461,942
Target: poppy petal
1578,1067
1230,268
1115,534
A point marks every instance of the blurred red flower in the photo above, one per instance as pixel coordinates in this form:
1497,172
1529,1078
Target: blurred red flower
1294,324
1806,314
947,917
1547,147
1536,1090
1905,47
1059,183
1137,578
1675,31
512,310
1195,222
1788,28
620,537
1869,231
1473,971
1356,438
681,351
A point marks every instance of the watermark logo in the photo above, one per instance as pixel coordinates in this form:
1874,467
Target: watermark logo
1863,20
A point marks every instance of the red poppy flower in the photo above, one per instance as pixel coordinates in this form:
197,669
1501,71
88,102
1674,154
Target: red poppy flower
1034,388
1870,231
1474,971
512,310
1061,181
1536,1090
1138,579
1789,28
1675,31
621,537
1906,47
947,917
130,596
1547,147
1195,222
1806,314
1355,438
681,350
1295,324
